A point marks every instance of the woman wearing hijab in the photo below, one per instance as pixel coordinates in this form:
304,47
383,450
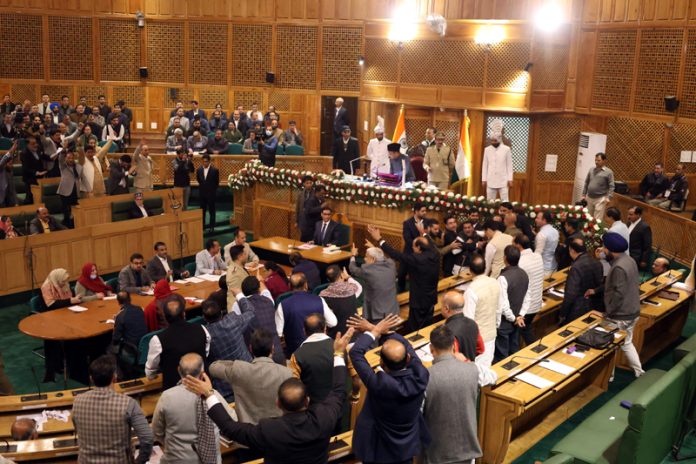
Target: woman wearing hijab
154,312
55,293
7,230
90,286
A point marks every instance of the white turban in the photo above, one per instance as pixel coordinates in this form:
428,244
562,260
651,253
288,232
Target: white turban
379,128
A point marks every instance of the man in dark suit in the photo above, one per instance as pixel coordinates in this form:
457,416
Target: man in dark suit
312,212
302,433
33,168
118,175
585,274
341,118
138,210
161,266
411,228
195,111
325,231
44,222
640,237
390,427
345,151
208,178
425,261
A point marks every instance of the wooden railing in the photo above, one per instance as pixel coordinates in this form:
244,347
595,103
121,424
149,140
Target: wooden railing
673,235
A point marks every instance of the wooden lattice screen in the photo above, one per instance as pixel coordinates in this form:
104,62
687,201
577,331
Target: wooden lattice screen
415,130
164,54
550,66
251,57
381,60
21,92
208,53
516,128
182,95
208,98
506,64
442,62
55,92
21,46
613,72
296,57
658,69
633,147
280,100
558,136
91,92
115,37
74,61
133,96
246,98
340,50
688,97
683,138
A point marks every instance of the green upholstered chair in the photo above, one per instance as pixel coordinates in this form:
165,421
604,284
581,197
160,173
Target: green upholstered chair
294,150
235,149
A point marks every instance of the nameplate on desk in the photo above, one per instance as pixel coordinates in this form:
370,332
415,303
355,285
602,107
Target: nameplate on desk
132,383
79,392
37,397
415,337
8,448
68,442
534,380
555,366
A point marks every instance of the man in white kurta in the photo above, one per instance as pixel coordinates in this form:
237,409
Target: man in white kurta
496,174
377,152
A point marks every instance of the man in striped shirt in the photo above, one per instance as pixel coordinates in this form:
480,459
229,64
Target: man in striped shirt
533,264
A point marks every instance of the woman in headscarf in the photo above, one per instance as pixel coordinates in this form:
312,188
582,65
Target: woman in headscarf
90,286
55,293
154,312
276,280
7,230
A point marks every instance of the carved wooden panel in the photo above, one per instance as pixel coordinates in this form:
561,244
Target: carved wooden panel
208,53
119,50
56,92
251,53
442,62
296,57
658,69
633,146
21,92
165,55
381,60
133,96
506,64
246,98
550,66
683,138
21,46
92,93
415,130
688,97
613,73
340,49
72,62
516,128
558,136
183,95
280,100
208,98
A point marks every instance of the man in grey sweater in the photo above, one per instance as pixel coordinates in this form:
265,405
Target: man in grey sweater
378,272
450,401
622,295
599,187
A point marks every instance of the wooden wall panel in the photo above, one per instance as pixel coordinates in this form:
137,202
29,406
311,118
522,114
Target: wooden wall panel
56,92
21,47
633,146
116,36
296,56
688,97
165,51
207,53
683,138
340,49
443,62
249,62
506,65
381,60
559,136
550,70
613,70
658,69
75,62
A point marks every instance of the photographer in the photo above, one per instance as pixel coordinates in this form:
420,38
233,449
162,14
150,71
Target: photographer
183,167
267,147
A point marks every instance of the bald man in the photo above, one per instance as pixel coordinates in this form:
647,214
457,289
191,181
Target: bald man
44,223
24,429
660,266
390,427
175,422
142,165
467,338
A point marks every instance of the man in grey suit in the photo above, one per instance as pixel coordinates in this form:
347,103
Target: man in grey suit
255,383
175,422
209,261
451,399
133,278
379,274
69,186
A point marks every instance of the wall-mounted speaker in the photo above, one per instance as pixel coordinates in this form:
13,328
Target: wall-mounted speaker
270,77
143,73
671,103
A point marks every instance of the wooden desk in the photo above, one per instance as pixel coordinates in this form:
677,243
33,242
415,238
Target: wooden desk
285,246
512,409
63,324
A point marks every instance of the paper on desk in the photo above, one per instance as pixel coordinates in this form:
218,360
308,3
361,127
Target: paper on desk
555,366
578,354
150,292
194,299
209,277
109,321
77,308
424,353
112,297
306,246
680,285
195,280
181,282
534,380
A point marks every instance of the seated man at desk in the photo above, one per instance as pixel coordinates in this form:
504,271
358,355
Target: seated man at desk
24,429
44,223
133,278
138,209
209,261
399,164
161,266
326,231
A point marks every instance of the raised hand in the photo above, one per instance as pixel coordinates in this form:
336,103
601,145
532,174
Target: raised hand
386,325
374,232
359,323
341,341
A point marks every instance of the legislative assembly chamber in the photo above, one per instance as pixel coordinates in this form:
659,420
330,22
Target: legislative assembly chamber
347,231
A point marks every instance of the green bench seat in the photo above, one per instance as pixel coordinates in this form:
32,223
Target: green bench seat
120,210
685,348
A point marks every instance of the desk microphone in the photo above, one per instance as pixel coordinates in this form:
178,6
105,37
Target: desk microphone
512,364
566,332
351,164
540,346
37,397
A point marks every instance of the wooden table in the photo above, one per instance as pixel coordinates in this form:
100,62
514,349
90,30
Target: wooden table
285,246
513,415
63,324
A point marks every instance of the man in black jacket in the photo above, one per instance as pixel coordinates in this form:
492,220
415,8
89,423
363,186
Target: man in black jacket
129,324
345,152
118,175
584,278
423,289
208,178
411,228
32,167
326,230
161,266
654,183
312,212
183,167
640,237
302,434
676,191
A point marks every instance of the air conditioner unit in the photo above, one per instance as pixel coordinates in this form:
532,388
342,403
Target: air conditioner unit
590,144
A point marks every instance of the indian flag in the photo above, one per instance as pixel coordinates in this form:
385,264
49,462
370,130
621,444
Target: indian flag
463,162
400,131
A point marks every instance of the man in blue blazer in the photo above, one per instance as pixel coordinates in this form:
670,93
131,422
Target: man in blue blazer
326,231
390,427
